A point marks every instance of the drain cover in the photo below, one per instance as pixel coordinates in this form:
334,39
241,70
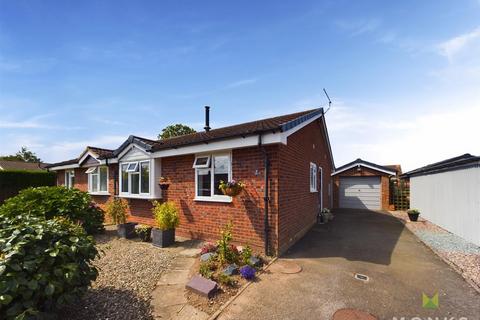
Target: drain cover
286,267
352,314
361,277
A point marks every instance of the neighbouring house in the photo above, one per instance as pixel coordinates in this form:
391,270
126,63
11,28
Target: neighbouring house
21,165
363,185
284,161
447,193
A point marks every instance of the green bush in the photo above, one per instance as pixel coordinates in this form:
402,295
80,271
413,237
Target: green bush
12,181
44,264
166,215
117,210
52,202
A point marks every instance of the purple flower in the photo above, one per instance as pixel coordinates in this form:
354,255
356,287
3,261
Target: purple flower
248,272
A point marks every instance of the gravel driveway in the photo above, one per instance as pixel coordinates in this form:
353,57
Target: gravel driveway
128,272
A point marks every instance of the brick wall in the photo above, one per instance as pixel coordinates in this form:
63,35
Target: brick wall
365,172
298,206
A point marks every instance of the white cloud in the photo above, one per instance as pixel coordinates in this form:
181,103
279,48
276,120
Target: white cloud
241,83
452,47
412,138
359,27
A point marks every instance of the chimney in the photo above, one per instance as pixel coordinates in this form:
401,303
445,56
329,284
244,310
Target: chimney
207,118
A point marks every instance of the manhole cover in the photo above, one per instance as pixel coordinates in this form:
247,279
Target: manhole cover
361,277
352,314
286,267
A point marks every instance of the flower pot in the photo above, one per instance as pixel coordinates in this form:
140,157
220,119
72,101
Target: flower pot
126,230
164,186
163,238
413,216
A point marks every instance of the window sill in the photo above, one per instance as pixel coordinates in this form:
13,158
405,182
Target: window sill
313,191
214,199
138,196
99,193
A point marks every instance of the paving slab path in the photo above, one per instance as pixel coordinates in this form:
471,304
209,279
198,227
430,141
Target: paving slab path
398,265
168,298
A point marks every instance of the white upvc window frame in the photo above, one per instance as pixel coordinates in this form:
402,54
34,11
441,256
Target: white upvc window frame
95,171
202,166
313,177
69,174
211,164
136,169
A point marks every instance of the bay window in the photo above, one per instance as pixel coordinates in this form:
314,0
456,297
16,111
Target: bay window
209,171
135,178
97,179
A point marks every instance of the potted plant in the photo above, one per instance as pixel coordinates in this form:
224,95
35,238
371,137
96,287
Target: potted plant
144,232
231,188
117,211
166,217
326,214
413,214
164,183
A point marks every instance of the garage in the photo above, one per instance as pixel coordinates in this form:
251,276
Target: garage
360,193
363,185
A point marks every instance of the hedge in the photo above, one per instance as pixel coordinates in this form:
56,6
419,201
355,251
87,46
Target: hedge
12,181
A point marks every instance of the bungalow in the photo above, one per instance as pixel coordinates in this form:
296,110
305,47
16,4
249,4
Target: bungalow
286,163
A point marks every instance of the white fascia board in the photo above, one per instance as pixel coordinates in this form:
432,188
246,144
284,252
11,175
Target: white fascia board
64,167
302,125
85,156
366,166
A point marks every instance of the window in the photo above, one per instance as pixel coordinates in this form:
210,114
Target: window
97,179
135,178
313,177
209,171
69,179
202,162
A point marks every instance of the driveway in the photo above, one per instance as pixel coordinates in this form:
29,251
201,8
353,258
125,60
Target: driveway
375,244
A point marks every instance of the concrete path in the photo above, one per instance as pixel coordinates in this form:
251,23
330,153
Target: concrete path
168,298
400,268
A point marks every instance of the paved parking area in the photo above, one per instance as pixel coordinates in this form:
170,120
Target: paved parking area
400,268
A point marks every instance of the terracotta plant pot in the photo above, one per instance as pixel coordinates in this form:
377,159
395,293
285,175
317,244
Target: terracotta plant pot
163,238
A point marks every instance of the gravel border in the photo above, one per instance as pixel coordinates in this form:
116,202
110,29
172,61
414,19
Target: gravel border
463,256
128,272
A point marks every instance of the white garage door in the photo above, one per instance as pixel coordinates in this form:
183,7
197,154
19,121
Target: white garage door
360,193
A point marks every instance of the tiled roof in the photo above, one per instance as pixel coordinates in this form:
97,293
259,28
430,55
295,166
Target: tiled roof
276,124
20,165
462,161
102,153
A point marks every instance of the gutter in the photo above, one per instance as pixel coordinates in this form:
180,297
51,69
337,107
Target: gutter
266,164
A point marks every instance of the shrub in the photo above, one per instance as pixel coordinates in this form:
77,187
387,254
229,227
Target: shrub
206,269
208,247
44,264
166,215
225,252
226,280
117,210
247,272
50,202
413,211
12,181
246,255
144,232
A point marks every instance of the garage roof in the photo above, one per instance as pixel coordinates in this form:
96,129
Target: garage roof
363,163
461,162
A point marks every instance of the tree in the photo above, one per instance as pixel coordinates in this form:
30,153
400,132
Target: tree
175,130
24,155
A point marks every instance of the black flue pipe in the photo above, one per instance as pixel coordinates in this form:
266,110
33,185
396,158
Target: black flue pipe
207,118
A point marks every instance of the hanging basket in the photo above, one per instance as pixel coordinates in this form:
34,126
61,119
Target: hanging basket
232,191
164,186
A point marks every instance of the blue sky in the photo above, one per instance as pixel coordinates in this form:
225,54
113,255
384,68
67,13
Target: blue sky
404,76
